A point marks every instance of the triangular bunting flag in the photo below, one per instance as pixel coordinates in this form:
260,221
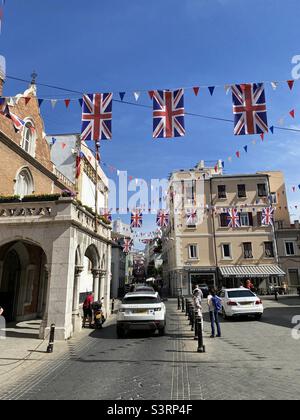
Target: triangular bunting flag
67,102
53,140
40,101
290,84
274,85
53,103
227,89
151,93
262,136
63,145
246,149
136,95
27,99
211,90
80,100
299,186
237,154
272,129
122,94
196,90
292,113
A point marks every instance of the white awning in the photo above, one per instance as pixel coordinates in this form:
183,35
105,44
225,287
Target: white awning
251,270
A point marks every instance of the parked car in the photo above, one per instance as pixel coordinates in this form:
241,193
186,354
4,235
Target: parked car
242,301
141,311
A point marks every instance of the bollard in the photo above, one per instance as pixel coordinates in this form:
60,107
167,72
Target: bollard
186,307
190,314
276,294
196,327
178,302
51,339
193,313
112,305
182,304
201,347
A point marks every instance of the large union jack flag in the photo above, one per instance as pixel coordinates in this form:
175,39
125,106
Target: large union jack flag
191,217
162,218
267,216
168,113
249,109
127,245
136,219
233,218
96,116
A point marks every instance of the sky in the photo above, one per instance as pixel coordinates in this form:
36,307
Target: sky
141,45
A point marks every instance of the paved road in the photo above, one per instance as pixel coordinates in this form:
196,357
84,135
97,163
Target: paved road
253,360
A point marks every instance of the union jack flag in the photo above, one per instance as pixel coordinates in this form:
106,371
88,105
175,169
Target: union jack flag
267,216
136,219
127,245
233,218
96,116
191,217
106,214
17,122
249,109
168,113
162,218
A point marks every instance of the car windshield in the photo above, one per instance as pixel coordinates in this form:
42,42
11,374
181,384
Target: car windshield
240,294
141,299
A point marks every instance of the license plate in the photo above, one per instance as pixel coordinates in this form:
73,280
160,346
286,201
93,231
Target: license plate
245,303
141,311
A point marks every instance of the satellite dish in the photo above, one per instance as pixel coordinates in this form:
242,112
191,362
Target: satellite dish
2,67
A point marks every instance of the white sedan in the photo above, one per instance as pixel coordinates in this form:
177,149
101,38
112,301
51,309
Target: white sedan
141,311
242,301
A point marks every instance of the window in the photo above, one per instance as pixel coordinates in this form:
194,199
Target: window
221,191
247,250
261,190
223,220
240,294
259,218
289,248
226,251
244,219
294,277
190,191
269,251
193,251
241,190
24,183
28,138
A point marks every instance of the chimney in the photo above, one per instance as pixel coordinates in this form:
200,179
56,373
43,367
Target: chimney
296,224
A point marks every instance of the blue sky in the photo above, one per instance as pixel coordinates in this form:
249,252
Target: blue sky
138,45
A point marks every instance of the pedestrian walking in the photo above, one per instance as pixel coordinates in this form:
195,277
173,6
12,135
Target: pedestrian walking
87,309
197,299
214,306
198,290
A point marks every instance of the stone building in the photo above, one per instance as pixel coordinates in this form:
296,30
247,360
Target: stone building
205,249
45,233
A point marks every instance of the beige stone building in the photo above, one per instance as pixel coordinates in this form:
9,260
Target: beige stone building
46,237
204,249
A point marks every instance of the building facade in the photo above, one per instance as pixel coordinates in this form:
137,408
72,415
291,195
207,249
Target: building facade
204,249
45,233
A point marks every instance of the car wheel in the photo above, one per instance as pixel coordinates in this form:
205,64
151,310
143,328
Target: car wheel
120,332
224,314
161,331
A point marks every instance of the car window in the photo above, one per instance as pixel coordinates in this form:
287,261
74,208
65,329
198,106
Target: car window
141,299
240,293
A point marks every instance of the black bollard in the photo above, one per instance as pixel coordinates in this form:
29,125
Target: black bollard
276,294
186,307
193,313
201,347
112,305
182,304
51,339
178,302
196,327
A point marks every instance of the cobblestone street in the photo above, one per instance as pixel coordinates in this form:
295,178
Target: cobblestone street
253,360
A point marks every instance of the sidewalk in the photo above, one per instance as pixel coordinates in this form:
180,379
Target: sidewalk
23,355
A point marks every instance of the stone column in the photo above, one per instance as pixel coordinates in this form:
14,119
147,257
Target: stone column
45,307
102,284
96,281
76,317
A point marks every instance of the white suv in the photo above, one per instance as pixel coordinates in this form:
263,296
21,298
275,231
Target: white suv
141,311
240,301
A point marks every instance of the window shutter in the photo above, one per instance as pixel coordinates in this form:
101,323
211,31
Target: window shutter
250,218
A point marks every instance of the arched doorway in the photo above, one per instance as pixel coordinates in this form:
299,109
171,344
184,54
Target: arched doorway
23,281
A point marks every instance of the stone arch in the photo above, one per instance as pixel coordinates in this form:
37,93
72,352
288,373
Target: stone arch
23,280
93,255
